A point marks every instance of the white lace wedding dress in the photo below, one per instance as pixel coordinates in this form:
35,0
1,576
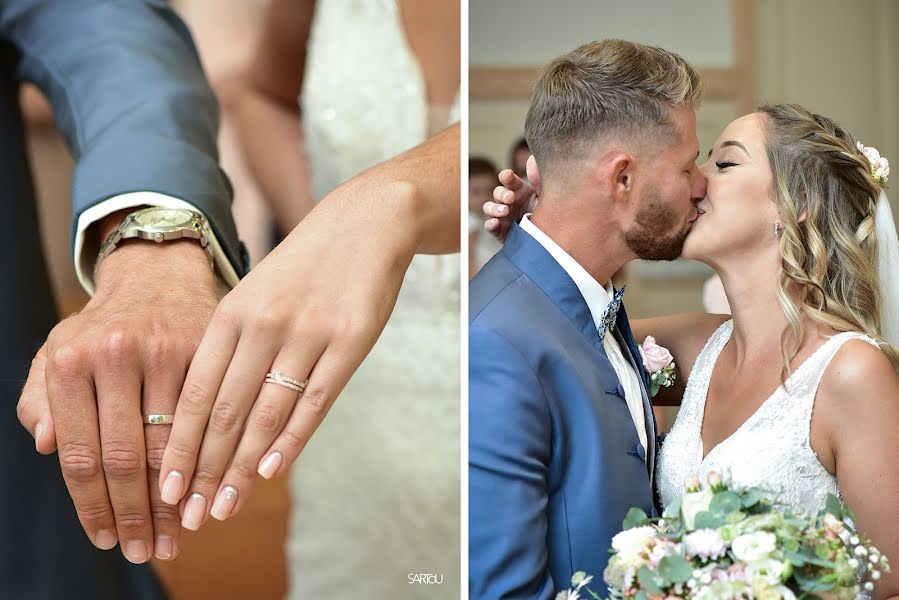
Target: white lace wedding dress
376,491
770,449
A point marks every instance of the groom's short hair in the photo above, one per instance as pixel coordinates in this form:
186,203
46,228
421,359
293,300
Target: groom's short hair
606,89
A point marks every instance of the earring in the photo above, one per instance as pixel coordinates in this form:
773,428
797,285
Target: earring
777,230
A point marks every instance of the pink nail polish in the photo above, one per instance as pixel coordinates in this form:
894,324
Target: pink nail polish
270,465
172,487
194,511
224,503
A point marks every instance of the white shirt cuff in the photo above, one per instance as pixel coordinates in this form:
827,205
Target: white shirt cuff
84,261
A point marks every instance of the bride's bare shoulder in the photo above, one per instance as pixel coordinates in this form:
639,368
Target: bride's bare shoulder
860,378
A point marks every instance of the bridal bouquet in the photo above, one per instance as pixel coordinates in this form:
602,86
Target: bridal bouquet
719,543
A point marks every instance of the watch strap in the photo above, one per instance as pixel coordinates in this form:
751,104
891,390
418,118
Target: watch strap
129,229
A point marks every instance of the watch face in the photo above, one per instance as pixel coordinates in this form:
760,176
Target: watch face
164,218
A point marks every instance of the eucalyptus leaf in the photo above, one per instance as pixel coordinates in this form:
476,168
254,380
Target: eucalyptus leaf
834,506
707,520
675,569
650,581
795,558
819,562
751,497
635,518
813,585
672,511
724,503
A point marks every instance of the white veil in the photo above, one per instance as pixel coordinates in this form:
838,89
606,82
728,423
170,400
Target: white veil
888,270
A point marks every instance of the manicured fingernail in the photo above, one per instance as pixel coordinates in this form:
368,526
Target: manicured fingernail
136,551
194,510
38,431
502,210
165,547
270,465
224,503
507,196
106,539
172,487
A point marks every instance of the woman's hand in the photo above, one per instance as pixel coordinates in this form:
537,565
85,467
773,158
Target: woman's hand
312,310
515,198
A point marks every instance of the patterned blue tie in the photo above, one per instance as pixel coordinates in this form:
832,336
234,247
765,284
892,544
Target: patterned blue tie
611,314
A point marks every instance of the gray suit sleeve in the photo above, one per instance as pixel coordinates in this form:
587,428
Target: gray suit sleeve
130,97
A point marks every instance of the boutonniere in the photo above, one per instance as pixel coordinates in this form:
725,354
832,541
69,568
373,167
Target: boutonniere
659,363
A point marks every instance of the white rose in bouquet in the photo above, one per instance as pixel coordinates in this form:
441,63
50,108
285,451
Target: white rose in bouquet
769,570
631,543
751,547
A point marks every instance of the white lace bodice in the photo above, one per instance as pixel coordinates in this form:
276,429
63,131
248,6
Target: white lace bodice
771,449
364,101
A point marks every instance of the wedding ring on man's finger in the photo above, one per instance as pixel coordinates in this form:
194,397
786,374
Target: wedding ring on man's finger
158,419
279,378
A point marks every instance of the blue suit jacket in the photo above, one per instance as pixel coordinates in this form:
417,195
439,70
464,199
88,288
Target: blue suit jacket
130,98
554,458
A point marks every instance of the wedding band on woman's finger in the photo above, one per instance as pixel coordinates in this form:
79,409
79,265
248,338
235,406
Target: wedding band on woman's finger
158,419
279,378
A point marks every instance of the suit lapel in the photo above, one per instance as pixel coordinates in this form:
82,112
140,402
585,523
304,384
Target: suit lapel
537,263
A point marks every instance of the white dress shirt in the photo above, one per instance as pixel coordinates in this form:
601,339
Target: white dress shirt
84,261
598,299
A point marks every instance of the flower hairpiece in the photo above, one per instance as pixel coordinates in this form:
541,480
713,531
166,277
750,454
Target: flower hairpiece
880,166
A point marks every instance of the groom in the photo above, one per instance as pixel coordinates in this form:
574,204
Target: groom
562,440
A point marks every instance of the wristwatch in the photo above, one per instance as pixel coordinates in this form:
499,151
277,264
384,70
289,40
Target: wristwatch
160,225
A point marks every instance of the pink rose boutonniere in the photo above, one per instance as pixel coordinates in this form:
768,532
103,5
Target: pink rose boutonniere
659,363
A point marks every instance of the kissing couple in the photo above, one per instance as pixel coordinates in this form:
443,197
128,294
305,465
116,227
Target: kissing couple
797,391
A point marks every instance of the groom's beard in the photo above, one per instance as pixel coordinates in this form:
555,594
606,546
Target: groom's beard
656,233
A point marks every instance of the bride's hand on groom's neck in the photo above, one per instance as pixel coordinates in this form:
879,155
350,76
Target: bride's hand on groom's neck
512,200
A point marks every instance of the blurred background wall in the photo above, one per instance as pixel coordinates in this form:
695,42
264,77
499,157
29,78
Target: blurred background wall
837,58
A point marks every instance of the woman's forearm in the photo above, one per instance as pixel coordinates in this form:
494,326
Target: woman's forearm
271,134
433,173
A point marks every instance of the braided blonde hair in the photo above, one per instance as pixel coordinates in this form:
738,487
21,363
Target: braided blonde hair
830,257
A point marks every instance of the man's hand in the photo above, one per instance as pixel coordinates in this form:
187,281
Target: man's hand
126,354
514,198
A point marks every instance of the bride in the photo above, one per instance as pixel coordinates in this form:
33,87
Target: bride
798,391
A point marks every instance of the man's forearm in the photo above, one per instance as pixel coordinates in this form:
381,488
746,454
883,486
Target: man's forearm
136,261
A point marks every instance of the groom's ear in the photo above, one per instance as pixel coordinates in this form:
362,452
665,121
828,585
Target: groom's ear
620,174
